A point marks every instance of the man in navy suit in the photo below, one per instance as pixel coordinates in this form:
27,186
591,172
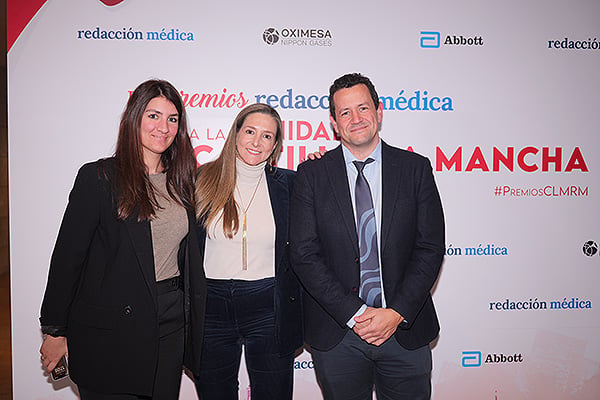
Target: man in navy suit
369,316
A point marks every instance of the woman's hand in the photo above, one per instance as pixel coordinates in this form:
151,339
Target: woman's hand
314,155
53,348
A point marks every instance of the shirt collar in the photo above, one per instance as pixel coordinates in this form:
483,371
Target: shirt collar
349,157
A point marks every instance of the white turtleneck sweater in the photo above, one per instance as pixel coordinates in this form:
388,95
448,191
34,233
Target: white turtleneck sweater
223,256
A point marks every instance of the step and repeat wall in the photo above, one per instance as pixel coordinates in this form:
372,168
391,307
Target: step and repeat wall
502,97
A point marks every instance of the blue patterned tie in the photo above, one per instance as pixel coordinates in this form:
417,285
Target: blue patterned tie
370,281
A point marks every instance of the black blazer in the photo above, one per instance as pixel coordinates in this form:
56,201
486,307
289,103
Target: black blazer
324,245
101,289
288,295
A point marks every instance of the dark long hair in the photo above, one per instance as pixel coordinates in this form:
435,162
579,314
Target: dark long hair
135,192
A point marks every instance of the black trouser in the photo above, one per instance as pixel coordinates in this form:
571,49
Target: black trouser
167,379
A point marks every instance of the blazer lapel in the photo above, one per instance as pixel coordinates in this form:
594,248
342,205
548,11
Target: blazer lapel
141,238
390,182
279,196
335,168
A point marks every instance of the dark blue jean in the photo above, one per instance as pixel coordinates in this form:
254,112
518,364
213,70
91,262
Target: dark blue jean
242,313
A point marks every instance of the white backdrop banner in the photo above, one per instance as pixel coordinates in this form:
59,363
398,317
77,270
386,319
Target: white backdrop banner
503,97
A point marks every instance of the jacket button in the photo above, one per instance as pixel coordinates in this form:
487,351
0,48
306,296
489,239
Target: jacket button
127,310
292,298
354,289
357,260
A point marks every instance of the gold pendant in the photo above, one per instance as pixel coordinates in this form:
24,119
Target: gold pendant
244,246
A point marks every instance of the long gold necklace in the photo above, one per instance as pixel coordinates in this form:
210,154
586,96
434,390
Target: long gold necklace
245,225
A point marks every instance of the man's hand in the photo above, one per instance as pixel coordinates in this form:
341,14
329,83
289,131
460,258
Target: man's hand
53,348
376,325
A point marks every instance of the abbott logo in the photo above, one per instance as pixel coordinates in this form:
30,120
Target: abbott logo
430,40
471,359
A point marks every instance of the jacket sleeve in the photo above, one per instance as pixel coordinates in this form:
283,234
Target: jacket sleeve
428,249
79,224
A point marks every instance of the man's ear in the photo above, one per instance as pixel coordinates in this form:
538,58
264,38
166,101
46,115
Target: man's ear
334,124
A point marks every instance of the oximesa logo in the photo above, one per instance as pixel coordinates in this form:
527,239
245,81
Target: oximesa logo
271,36
590,248
298,36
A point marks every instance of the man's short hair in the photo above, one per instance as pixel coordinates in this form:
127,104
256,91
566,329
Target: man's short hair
348,81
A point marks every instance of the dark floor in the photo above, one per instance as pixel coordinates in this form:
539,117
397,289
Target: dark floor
5,350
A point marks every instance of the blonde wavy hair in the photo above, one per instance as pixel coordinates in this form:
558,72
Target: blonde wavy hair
215,182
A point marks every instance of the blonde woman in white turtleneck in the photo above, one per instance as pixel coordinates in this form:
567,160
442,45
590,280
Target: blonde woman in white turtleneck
253,297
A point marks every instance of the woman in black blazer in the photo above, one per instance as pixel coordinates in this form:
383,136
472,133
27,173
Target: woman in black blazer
120,284
254,299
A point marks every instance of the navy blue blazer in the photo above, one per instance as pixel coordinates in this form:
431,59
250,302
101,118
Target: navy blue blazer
288,292
325,254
